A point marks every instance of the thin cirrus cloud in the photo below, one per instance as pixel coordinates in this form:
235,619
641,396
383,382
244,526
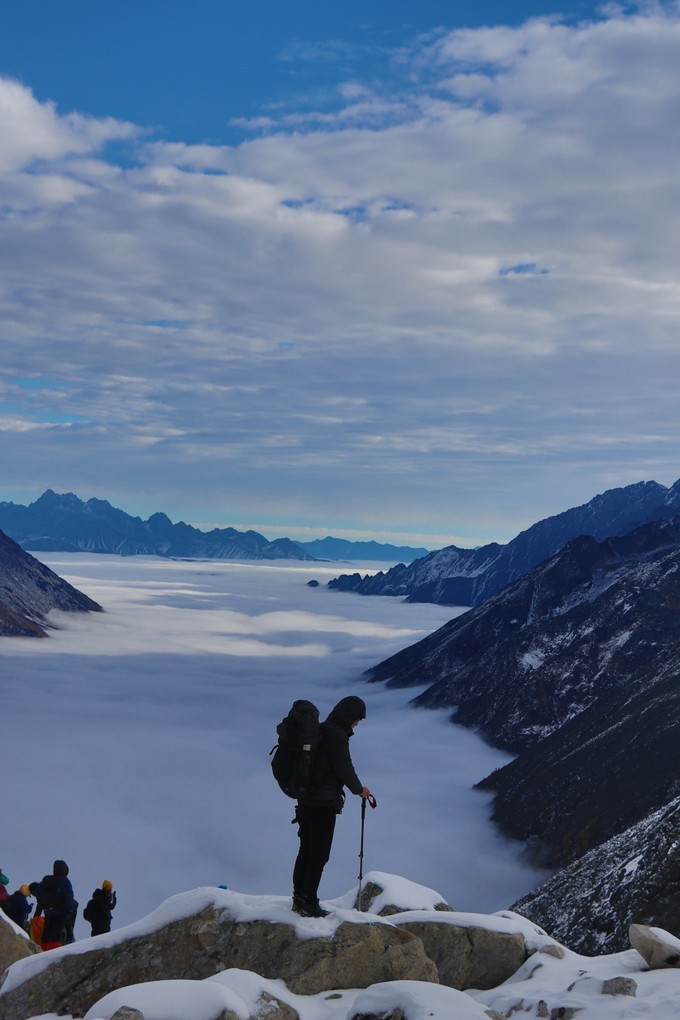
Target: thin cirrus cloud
492,229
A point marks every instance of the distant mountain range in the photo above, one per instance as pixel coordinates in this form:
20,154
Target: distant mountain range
330,548
468,577
575,668
64,523
29,591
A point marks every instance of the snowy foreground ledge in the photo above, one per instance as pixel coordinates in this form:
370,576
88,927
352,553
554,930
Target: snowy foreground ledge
213,954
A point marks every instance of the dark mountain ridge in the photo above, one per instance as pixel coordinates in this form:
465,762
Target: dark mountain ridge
576,668
544,648
467,577
330,548
29,591
64,523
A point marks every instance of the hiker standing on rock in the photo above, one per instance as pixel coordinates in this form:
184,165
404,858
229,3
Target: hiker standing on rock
99,908
317,810
56,902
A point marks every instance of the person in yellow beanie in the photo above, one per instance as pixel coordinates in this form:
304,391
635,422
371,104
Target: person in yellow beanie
99,908
17,906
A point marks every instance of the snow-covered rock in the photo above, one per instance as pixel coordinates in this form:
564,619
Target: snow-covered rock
552,982
658,948
198,935
14,943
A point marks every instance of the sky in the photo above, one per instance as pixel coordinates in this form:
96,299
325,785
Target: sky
401,271
155,719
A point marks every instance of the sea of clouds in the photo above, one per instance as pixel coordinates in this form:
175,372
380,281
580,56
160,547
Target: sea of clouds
136,742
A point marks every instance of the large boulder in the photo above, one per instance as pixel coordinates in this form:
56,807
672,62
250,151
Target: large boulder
657,947
468,955
14,945
310,956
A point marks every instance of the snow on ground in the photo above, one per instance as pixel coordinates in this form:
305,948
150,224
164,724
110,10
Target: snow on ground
545,983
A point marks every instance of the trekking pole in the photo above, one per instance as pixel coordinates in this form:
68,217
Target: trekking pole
373,802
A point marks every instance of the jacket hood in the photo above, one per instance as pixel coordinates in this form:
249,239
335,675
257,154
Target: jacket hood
348,711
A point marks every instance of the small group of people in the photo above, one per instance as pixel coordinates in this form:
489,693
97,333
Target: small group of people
56,908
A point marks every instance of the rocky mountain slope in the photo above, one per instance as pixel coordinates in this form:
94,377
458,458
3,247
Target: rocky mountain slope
632,878
600,773
576,668
587,620
63,522
467,577
29,591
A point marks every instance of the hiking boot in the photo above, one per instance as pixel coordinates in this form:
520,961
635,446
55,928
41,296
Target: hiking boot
308,908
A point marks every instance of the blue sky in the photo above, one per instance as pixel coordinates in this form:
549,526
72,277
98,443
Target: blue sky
403,271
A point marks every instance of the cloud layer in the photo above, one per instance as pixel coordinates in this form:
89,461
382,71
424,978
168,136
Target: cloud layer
139,740
455,297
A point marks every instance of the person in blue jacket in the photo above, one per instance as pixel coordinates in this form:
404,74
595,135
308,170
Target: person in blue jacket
57,903
17,906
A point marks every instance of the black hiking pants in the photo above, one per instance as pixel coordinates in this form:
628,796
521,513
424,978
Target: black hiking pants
316,825
55,922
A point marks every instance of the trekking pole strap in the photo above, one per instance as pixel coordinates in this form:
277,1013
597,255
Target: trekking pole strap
371,800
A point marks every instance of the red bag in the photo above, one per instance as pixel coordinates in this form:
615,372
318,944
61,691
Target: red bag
36,929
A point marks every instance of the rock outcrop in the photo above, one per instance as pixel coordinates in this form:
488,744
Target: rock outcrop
214,933
13,946
470,956
657,947
386,970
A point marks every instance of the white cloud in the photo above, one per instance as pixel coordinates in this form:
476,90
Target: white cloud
378,258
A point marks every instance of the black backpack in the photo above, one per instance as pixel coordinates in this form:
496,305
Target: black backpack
50,896
293,756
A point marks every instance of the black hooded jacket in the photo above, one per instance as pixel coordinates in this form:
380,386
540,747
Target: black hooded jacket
333,768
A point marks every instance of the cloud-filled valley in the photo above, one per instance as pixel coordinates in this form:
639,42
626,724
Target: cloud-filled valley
140,738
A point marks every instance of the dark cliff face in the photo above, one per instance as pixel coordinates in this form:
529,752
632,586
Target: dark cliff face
29,591
600,773
576,668
633,878
65,523
468,577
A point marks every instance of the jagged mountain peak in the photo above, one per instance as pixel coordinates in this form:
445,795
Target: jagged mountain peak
467,577
63,522
29,591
